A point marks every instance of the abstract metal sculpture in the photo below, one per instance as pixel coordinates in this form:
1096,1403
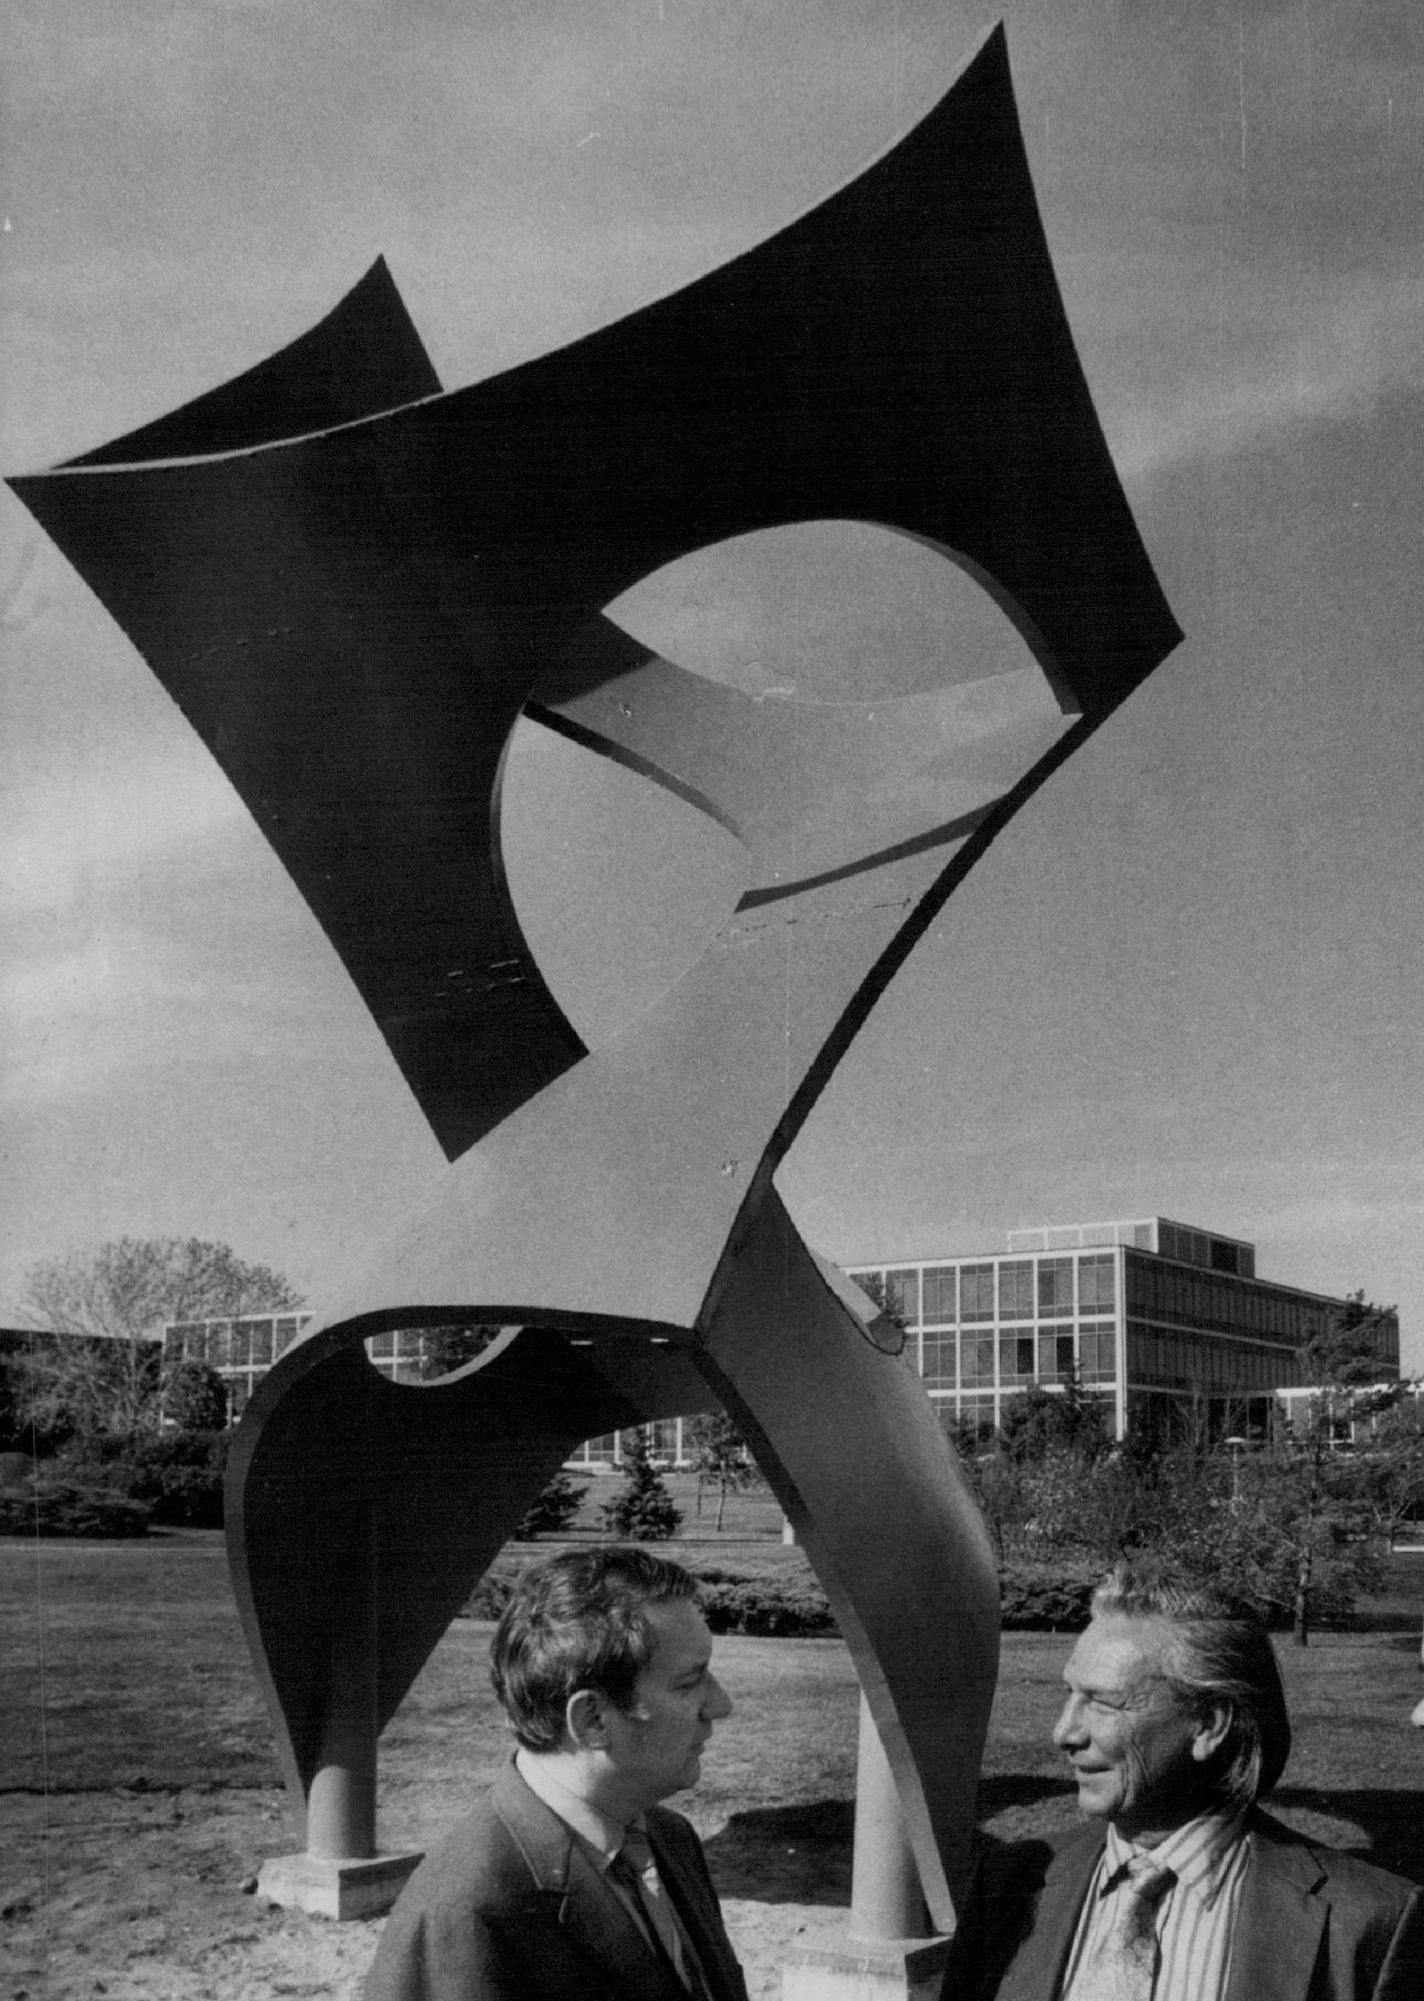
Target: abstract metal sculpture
353,585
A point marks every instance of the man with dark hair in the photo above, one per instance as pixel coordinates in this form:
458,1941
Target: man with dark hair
1181,1888
569,1882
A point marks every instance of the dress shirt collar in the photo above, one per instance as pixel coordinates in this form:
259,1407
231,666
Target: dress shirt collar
1200,1854
599,1830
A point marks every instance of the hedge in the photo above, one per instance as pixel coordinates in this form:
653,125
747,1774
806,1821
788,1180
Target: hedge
177,1475
53,1504
1041,1597
1033,1598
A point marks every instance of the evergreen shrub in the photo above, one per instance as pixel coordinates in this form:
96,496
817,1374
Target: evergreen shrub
54,1504
1047,1597
177,1475
554,1509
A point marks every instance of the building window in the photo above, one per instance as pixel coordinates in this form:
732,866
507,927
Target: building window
976,1359
1097,1284
978,1412
941,1360
1016,1357
1055,1355
939,1289
662,1438
902,1290
1055,1287
1016,1290
261,1342
976,1292
1097,1356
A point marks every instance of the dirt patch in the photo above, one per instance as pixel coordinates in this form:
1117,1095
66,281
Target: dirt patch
138,1896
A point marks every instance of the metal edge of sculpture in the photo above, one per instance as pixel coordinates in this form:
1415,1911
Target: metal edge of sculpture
353,584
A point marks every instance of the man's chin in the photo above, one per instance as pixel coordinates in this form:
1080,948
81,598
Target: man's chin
1095,1797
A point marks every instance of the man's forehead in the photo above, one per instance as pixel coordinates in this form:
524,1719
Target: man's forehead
1116,1651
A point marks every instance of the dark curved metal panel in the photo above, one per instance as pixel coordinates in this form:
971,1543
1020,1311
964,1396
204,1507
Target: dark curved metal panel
903,1556
364,356
353,620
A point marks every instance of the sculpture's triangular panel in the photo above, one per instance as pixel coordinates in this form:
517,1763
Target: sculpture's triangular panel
352,620
363,357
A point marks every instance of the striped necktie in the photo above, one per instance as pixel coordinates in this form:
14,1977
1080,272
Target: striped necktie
1124,1965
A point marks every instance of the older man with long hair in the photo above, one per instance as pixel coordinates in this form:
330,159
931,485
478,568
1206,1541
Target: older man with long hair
1180,1887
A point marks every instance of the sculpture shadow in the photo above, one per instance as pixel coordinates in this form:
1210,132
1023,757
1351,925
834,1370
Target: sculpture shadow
802,1854
786,1854
1388,1820
997,1794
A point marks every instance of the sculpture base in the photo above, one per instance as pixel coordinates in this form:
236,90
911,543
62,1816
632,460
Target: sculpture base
842,1968
336,1887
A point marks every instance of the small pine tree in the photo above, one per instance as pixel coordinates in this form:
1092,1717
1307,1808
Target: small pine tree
555,1508
644,1511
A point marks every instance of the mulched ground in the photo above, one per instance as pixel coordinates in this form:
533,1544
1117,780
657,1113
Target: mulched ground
138,1896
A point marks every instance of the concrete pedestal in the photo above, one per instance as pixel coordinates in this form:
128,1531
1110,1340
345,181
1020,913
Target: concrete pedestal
886,1950
842,1968
335,1886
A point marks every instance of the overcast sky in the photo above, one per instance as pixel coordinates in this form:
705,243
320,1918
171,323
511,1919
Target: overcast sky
1187,980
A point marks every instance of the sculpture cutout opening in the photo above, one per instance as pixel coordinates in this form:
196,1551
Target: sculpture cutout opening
355,585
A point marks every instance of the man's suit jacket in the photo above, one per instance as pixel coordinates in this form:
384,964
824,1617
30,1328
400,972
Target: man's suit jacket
509,1907
1312,1924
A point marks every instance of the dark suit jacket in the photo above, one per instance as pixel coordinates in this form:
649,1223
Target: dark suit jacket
510,1908
1312,1924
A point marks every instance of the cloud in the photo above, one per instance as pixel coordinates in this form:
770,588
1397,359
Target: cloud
87,828
78,1011
1354,345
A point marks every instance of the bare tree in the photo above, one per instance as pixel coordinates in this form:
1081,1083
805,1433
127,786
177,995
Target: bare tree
720,1456
110,1304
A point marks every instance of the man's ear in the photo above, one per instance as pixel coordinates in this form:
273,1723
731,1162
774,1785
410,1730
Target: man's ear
583,1720
1213,1728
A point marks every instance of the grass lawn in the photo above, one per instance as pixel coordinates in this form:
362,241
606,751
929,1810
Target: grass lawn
124,1667
138,1787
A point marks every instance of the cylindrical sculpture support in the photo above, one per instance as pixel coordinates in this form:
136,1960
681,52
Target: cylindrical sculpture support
341,1805
886,1901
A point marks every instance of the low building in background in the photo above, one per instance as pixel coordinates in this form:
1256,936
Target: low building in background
1156,1317
242,1351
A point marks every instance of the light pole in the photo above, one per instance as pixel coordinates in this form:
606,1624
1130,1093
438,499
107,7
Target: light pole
1235,1445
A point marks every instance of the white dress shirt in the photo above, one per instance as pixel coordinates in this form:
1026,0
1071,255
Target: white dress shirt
1194,1920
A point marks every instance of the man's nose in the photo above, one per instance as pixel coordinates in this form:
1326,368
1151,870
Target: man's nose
1069,1727
718,1703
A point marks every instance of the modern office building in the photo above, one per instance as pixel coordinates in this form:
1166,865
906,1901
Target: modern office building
1150,1313
668,1445
242,1351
